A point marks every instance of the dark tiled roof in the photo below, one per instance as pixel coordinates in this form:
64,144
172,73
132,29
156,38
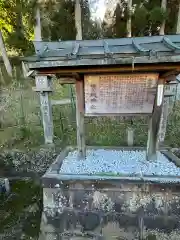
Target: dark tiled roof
156,49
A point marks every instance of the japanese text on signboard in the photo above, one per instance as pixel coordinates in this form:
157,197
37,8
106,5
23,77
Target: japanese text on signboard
123,94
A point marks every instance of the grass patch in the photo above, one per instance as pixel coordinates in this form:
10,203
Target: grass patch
15,210
21,124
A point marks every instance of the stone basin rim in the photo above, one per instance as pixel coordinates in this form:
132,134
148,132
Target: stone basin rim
54,170
64,177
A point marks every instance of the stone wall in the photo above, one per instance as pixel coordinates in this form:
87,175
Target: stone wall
111,210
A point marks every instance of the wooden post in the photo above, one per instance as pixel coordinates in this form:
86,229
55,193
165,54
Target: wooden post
43,86
166,109
155,122
80,117
130,136
164,119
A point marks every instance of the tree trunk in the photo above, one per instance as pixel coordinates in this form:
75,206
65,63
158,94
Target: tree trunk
178,21
163,7
5,56
37,37
19,18
128,26
37,28
78,21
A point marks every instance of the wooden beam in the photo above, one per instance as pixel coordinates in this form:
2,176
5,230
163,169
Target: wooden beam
48,89
67,80
154,123
115,114
61,102
110,69
170,78
80,117
76,76
169,94
170,74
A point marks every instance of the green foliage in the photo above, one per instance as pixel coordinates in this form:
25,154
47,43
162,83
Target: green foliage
59,23
156,15
140,21
147,17
171,21
25,195
16,28
57,20
18,42
173,129
149,5
119,27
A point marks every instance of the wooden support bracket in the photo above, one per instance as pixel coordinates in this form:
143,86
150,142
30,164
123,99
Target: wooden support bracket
170,75
155,121
77,76
47,89
67,80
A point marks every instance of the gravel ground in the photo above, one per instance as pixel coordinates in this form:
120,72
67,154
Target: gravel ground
118,162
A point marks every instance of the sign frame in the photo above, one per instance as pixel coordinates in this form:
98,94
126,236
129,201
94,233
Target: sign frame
94,85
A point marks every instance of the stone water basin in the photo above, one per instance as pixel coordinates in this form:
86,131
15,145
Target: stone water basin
112,194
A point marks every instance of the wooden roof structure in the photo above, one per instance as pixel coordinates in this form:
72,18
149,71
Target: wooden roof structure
131,53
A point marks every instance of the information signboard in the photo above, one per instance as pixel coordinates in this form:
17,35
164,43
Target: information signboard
120,93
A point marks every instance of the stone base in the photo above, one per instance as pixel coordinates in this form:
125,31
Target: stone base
109,209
